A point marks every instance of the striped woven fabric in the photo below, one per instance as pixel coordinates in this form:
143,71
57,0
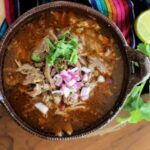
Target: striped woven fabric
120,11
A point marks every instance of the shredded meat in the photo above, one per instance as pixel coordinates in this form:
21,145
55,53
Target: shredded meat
39,88
83,61
57,99
81,107
48,76
100,65
33,75
61,113
88,38
41,47
36,91
70,101
52,35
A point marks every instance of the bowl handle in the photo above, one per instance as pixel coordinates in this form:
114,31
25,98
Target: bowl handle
144,67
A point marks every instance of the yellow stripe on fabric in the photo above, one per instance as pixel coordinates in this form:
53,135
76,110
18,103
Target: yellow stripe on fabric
114,11
109,9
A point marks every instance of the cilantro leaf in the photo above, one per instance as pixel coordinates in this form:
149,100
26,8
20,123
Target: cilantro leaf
134,100
74,58
65,48
135,116
145,110
133,106
35,57
144,48
50,44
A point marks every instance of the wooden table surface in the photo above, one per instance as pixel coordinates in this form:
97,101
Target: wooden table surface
131,137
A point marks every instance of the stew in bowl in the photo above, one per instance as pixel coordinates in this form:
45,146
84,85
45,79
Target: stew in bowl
64,71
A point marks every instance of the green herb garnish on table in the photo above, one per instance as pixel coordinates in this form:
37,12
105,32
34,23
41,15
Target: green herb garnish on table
135,106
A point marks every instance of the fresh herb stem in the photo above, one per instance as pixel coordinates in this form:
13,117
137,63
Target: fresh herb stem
135,106
35,57
139,94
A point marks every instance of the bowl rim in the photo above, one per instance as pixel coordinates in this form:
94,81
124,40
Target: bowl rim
7,37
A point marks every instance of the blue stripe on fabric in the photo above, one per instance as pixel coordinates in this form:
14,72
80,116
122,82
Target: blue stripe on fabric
99,6
104,7
3,28
131,10
132,16
93,3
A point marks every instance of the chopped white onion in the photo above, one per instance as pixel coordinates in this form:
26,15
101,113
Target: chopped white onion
66,91
56,76
85,92
71,82
101,79
84,98
74,69
86,70
42,108
57,92
65,75
75,96
59,81
57,100
85,77
77,86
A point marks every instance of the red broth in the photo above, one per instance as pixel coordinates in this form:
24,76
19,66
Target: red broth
95,42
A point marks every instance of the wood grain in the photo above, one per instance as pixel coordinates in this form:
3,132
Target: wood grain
131,137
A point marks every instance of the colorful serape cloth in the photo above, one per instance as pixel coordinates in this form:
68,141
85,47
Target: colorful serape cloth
119,11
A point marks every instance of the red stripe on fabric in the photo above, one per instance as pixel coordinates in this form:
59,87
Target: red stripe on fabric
123,16
127,22
118,13
9,11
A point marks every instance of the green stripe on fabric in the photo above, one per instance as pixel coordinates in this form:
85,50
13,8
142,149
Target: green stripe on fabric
99,6
104,7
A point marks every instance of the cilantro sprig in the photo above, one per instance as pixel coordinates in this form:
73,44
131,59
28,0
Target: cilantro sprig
35,57
65,48
135,106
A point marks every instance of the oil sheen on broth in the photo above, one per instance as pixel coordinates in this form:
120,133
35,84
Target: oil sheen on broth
62,72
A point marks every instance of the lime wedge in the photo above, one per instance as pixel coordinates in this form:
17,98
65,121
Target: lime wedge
142,26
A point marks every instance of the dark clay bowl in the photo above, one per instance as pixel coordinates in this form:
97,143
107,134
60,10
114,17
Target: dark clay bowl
128,55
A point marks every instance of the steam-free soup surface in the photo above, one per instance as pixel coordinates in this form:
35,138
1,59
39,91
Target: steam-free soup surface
62,72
